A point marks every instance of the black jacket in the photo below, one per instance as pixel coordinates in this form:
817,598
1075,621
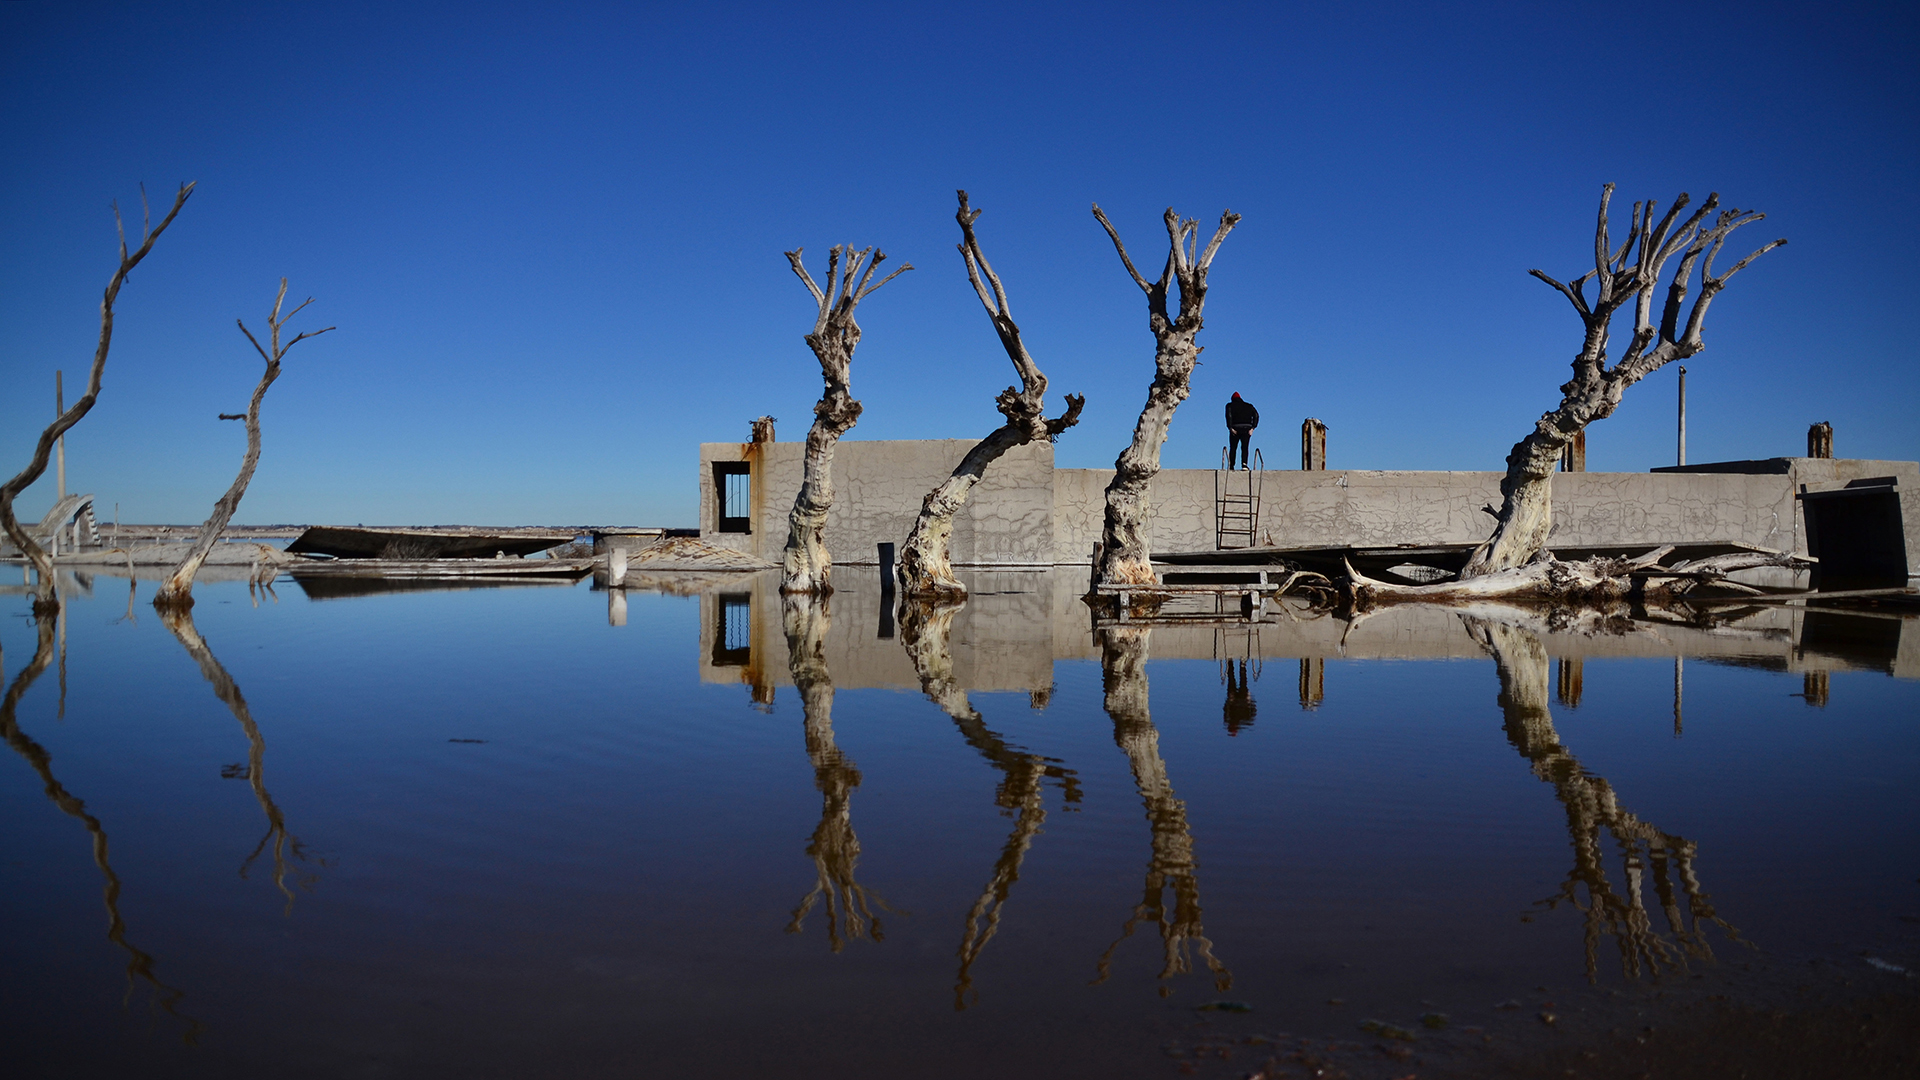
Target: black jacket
1242,414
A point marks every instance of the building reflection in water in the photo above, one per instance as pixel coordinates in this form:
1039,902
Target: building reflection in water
926,632
1009,636
1591,807
291,859
834,848
1123,666
140,964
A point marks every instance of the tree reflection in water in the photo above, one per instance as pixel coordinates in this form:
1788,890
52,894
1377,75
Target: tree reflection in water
1592,806
926,631
835,849
285,844
1123,665
140,964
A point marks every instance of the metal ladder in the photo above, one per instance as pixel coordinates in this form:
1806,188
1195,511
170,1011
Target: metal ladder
1237,505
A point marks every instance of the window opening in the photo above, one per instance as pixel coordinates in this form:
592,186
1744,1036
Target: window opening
733,496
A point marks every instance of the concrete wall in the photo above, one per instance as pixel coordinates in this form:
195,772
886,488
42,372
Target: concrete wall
878,488
1026,512
1380,508
1017,625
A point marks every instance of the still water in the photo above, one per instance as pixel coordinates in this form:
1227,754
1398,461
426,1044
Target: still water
488,833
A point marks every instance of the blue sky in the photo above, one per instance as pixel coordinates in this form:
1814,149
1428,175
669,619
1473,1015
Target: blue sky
551,235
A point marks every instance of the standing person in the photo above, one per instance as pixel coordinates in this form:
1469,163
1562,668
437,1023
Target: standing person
1242,418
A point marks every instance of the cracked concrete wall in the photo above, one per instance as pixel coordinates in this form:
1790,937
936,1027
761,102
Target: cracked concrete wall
1018,624
1026,512
1382,508
878,489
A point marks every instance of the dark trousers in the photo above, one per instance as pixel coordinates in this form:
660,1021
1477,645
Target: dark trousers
1238,436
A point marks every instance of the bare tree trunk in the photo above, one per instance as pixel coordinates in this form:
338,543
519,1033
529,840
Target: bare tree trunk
834,847
140,964
285,845
1126,555
1629,275
926,562
926,630
1602,579
1592,806
1123,663
805,565
44,597
177,590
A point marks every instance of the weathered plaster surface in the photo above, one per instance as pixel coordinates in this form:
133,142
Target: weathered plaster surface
1018,624
1026,512
878,489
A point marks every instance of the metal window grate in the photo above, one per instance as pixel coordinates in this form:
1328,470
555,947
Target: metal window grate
733,495
733,630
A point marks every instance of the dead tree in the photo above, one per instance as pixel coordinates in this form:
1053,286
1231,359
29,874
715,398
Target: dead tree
1629,275
1123,666
177,590
806,566
1126,555
1592,807
44,597
140,964
834,847
926,564
285,845
926,632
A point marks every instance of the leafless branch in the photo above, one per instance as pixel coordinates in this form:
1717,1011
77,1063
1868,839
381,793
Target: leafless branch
1122,249
44,592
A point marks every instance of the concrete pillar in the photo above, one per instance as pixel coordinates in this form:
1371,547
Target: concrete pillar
60,407
1682,455
1313,445
616,567
1679,686
1573,456
1313,682
1572,672
1813,688
1820,440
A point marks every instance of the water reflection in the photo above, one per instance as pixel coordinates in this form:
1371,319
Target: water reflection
1123,667
1591,807
834,848
140,964
926,631
285,846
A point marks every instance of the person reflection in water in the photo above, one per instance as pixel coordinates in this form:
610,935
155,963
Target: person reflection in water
1123,665
1591,807
926,630
1239,709
834,848
140,964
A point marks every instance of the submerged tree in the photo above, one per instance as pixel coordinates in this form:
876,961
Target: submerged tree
140,964
44,597
177,589
1592,808
284,845
926,564
1126,555
805,565
1123,665
834,847
1629,275
926,631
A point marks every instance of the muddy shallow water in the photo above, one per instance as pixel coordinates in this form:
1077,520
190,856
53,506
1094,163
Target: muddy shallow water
486,832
